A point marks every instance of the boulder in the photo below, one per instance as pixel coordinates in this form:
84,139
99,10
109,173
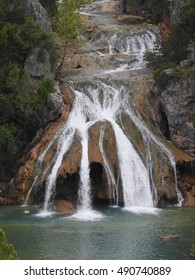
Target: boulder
55,105
38,12
65,207
169,237
177,101
38,63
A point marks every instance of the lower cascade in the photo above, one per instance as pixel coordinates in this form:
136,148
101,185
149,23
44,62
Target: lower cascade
102,104
105,105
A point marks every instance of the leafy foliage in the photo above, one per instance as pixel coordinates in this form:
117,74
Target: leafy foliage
155,8
175,49
22,100
70,23
51,6
7,251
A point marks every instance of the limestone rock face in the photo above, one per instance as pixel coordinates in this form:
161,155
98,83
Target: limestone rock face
177,100
175,7
55,105
186,181
38,63
38,12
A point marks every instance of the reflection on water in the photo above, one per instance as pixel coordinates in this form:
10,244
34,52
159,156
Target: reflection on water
118,235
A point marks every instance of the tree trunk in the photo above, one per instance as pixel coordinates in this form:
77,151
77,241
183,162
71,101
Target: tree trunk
59,69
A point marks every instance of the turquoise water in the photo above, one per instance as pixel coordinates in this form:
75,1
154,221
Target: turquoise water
118,235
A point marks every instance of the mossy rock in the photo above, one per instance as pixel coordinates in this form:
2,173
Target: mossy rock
7,251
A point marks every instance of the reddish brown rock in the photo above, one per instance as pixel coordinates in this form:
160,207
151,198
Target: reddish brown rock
169,237
65,207
165,28
111,6
130,18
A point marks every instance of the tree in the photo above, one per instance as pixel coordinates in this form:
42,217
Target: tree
70,24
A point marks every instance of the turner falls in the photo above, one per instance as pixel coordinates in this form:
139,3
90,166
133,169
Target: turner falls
102,99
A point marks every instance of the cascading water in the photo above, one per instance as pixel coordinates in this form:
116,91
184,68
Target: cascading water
134,175
103,103
134,45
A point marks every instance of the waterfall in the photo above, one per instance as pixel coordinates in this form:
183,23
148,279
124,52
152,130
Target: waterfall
134,175
134,46
84,192
151,138
104,103
64,143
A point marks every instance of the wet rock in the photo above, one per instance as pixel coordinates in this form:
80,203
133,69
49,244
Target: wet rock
65,207
100,6
129,19
169,237
24,179
111,6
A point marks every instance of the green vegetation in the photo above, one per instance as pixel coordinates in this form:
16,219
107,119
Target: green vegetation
22,99
154,8
51,6
7,251
175,49
70,25
193,250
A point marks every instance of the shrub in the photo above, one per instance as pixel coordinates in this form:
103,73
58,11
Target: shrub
7,251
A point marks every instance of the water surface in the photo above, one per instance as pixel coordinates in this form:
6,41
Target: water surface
117,235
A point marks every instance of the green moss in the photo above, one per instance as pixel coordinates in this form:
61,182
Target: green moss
7,251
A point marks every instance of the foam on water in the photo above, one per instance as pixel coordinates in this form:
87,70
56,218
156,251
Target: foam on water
87,215
44,214
142,210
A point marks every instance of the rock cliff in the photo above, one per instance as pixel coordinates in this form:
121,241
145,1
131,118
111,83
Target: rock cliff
177,101
38,12
175,7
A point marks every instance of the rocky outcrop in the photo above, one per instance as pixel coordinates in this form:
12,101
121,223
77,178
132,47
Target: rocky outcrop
177,101
55,105
186,181
65,207
38,63
175,7
38,12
